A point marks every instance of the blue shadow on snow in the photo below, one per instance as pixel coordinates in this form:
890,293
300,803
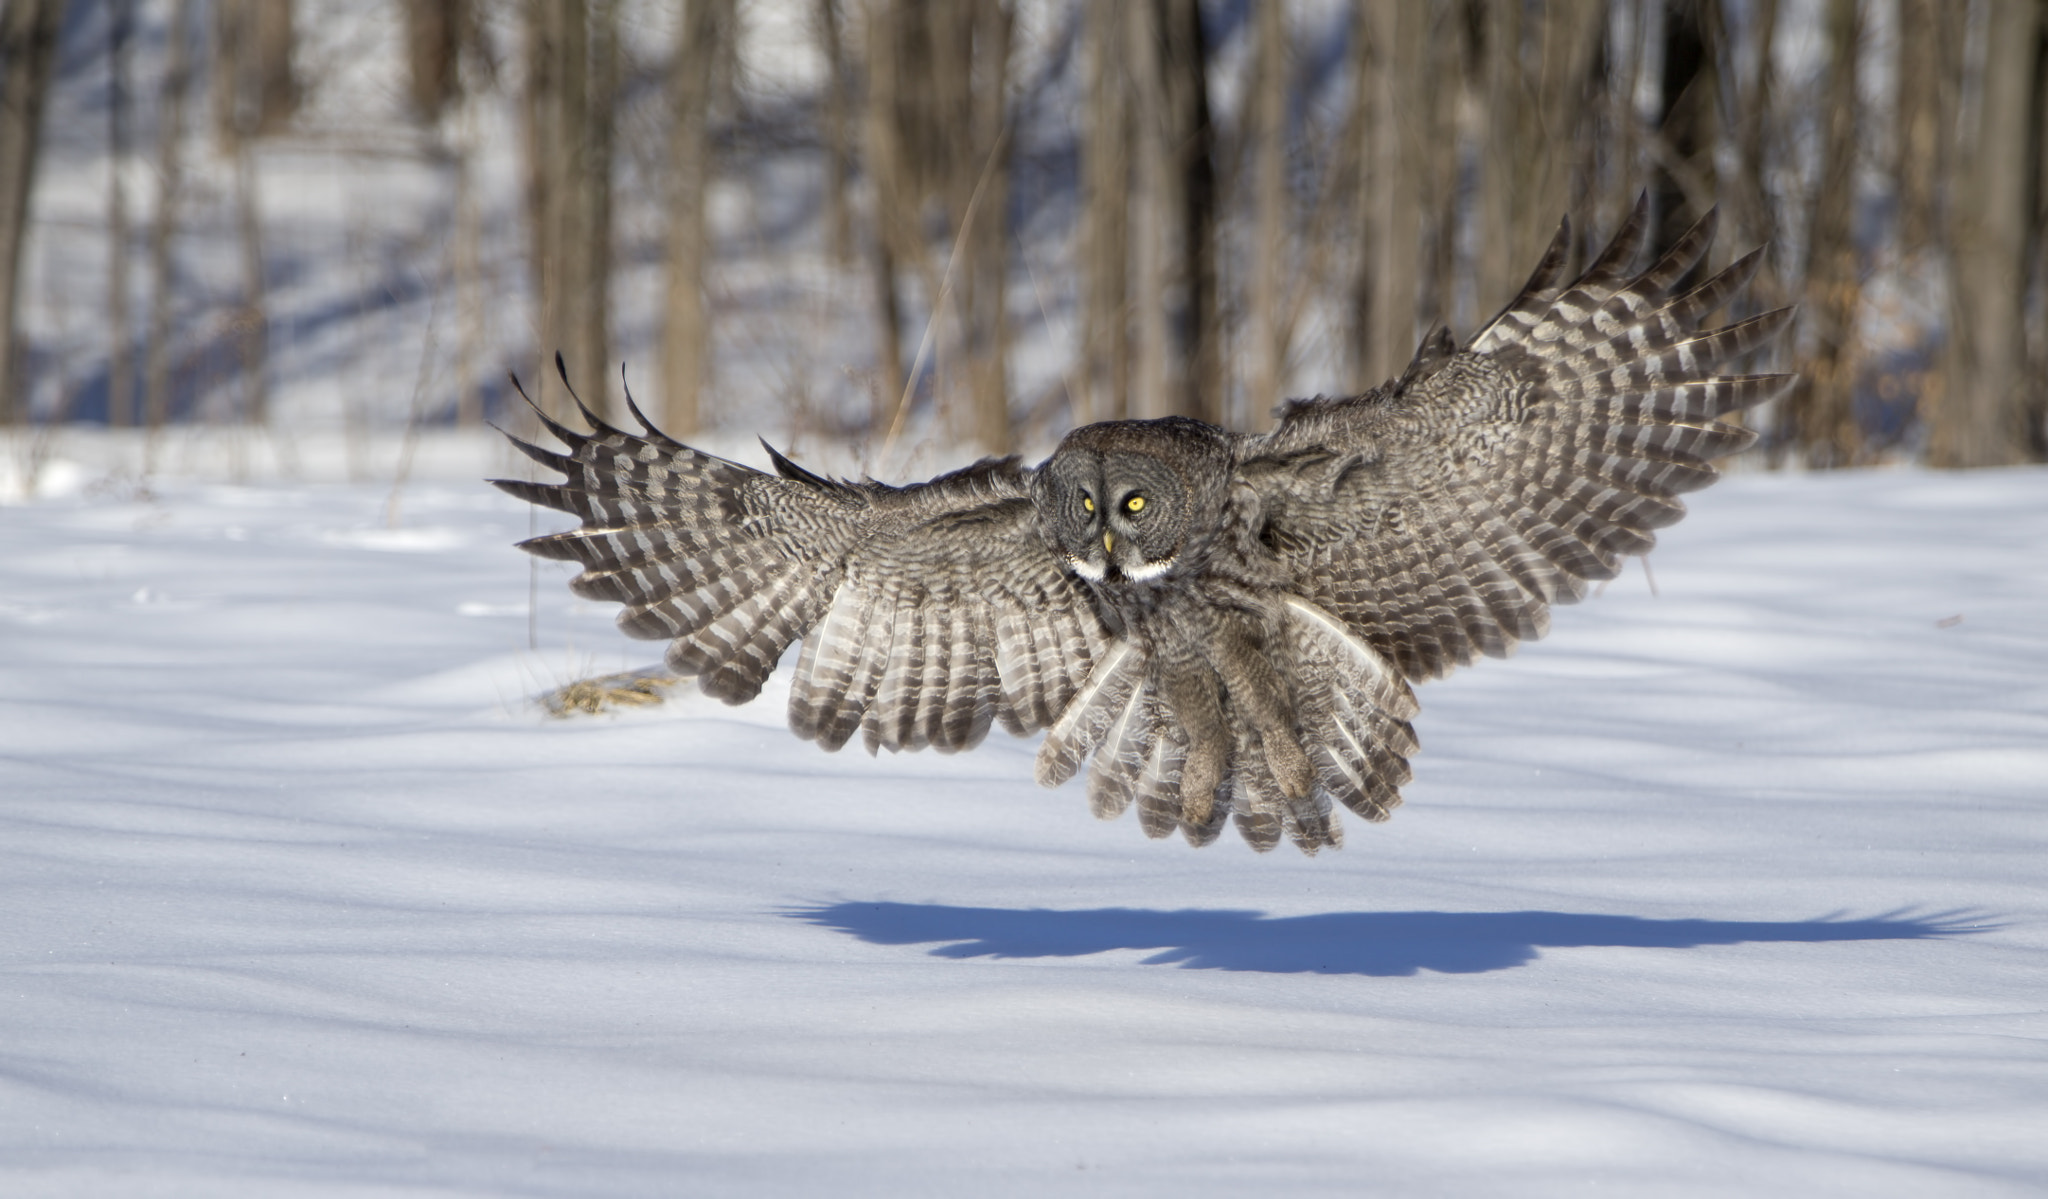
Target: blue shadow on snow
1372,943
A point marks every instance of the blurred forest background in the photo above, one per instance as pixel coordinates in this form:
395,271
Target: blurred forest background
869,224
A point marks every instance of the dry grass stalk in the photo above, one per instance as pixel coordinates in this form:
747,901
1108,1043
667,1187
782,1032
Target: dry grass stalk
609,692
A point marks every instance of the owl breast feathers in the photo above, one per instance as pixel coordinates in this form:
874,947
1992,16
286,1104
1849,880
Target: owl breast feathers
1220,627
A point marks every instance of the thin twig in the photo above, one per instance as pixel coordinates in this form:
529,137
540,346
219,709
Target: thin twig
410,444
931,323
1044,314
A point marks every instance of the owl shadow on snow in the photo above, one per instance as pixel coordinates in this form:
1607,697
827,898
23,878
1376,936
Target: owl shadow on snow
1383,944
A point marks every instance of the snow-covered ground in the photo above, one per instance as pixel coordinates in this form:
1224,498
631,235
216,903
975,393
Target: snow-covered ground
1740,887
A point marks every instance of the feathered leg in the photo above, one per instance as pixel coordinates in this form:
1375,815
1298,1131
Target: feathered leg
1192,693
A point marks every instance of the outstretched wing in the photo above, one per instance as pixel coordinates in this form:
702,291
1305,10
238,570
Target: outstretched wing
1441,515
927,612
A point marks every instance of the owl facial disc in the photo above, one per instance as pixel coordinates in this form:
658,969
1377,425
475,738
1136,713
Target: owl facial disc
1120,499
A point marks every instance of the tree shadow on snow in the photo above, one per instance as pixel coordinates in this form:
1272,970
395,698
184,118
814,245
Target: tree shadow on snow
1371,943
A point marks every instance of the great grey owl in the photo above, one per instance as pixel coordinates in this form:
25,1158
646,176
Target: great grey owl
1218,625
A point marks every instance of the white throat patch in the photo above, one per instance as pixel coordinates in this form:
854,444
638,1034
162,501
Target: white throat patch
1149,570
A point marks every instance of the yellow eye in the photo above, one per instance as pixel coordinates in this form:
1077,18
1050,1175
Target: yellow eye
1088,503
1136,503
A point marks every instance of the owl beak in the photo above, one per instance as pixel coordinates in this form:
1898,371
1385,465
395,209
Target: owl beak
1109,543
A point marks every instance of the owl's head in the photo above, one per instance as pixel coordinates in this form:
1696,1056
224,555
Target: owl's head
1128,500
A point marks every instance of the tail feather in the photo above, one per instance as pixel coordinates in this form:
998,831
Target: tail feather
1159,786
1311,821
1355,708
1118,766
1352,708
1103,703
1255,807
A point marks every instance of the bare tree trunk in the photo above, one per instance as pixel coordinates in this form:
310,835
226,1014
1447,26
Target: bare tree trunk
1684,184
1594,143
1503,186
251,322
1820,401
1632,135
987,168
1399,34
156,366
1105,176
1925,106
892,192
686,324
2036,397
931,153
120,333
1917,151
1450,67
544,139
254,90
28,50
571,71
838,103
1567,49
438,32
593,181
1981,417
1755,214
1150,212
1267,129
254,94
1198,348
1534,82
469,297
433,42
1747,76
1365,59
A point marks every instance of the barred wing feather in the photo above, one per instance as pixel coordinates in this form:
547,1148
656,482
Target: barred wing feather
928,613
1441,515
